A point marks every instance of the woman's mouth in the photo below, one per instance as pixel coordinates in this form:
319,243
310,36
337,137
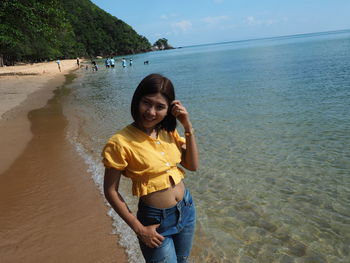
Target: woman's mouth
148,118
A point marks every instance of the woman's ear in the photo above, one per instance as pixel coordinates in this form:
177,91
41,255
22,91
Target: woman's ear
170,108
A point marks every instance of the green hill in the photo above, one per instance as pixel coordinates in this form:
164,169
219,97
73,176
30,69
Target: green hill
37,30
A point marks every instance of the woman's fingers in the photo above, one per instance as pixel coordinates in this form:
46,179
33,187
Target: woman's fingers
152,238
157,238
180,112
177,108
155,242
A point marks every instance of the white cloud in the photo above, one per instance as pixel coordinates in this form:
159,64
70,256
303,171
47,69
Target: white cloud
252,21
213,20
183,26
161,35
166,17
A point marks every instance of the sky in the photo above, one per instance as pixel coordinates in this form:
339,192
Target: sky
194,22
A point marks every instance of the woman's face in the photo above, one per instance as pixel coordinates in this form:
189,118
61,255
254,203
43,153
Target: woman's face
152,110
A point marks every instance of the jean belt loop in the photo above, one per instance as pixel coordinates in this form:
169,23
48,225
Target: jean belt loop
185,199
179,206
179,209
164,213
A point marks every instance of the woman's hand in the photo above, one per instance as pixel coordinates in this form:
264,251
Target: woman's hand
150,237
147,234
189,158
180,113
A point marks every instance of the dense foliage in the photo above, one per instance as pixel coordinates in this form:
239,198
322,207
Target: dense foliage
36,30
100,32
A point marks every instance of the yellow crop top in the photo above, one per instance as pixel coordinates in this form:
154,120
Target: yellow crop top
147,161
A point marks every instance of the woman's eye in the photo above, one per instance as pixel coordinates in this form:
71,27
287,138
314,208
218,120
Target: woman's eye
146,102
160,107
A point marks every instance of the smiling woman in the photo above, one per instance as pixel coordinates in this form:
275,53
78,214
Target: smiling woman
152,99
148,151
152,109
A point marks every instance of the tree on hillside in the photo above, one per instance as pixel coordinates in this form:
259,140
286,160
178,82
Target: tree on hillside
101,33
34,30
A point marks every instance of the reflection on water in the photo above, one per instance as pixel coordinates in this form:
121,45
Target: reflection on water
272,123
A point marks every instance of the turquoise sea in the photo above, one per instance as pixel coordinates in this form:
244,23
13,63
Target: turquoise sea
272,120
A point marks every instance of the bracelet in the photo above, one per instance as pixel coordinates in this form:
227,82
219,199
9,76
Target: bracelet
191,132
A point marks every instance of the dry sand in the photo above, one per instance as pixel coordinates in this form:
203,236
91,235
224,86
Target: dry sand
17,82
50,210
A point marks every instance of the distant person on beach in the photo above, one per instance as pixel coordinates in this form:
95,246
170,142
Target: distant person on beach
107,62
78,62
130,62
112,62
149,152
123,62
59,64
94,66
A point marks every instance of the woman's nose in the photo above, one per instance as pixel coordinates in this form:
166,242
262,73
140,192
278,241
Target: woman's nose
151,111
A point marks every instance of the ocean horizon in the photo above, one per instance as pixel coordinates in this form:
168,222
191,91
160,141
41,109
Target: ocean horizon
272,123
311,34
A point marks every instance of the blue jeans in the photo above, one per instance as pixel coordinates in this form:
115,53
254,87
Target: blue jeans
177,225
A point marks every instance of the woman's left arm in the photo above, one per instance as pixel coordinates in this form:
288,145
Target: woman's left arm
190,152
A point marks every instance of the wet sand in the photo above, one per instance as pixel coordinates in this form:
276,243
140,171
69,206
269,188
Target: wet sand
50,209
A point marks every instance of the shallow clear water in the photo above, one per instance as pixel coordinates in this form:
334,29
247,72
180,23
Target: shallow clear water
273,127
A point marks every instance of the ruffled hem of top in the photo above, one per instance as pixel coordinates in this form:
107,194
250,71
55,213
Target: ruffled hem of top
141,188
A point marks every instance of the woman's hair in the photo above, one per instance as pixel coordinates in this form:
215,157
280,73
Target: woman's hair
152,84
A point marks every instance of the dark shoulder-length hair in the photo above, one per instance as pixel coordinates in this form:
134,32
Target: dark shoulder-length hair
152,84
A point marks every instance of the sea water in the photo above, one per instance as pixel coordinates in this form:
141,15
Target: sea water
273,128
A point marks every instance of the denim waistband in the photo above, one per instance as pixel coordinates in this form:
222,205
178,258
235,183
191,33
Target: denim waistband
164,212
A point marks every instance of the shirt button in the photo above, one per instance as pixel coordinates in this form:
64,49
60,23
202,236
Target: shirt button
167,164
162,153
157,142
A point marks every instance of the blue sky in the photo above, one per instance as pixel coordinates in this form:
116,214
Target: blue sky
192,22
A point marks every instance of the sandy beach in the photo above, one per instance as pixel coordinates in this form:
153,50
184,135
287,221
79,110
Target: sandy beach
18,95
50,209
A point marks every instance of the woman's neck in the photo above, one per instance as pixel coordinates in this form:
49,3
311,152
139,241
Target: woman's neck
152,132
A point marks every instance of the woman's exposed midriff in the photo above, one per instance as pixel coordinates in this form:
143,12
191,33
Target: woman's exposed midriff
165,198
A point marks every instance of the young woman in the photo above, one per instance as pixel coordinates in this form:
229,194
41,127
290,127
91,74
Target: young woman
149,151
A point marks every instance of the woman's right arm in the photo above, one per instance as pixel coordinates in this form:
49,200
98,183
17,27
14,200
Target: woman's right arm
147,234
